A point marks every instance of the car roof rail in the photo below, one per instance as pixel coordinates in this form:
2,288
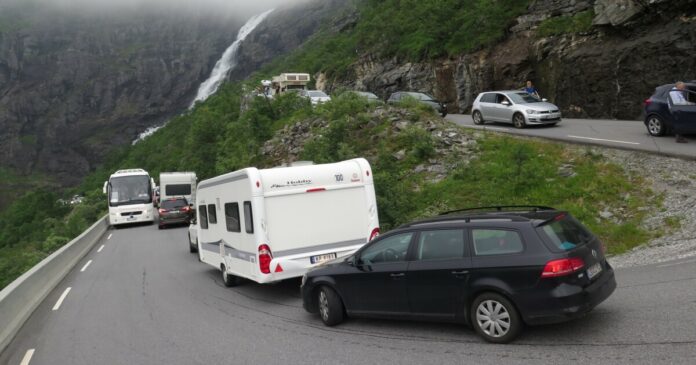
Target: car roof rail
501,208
465,219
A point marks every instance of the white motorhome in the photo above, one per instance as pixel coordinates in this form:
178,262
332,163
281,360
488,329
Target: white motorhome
289,81
130,195
178,184
275,224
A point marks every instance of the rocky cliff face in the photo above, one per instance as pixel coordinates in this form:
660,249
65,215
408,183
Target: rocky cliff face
606,72
282,32
73,87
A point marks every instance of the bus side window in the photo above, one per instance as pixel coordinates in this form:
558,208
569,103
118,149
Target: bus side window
248,218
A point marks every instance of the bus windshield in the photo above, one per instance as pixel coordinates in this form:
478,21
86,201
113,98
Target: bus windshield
130,190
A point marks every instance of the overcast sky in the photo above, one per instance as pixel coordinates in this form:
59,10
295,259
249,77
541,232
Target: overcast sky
245,7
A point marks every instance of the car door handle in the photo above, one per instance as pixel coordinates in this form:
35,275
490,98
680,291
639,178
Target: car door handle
460,272
397,275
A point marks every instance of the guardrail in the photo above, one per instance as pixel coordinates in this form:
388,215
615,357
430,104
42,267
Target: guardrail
19,299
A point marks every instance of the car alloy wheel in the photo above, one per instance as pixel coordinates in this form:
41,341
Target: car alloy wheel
493,318
518,120
478,118
323,306
330,306
655,126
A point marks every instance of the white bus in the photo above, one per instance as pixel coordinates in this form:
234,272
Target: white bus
178,184
274,224
130,195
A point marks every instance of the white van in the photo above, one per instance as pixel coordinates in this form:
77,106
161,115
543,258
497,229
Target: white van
178,184
274,224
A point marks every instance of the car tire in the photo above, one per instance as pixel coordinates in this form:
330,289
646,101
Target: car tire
200,259
192,248
490,314
518,121
330,306
227,279
159,226
656,126
478,118
443,114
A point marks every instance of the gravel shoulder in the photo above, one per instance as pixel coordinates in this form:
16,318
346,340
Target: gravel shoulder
675,180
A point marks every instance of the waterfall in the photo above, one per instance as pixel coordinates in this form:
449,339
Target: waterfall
228,61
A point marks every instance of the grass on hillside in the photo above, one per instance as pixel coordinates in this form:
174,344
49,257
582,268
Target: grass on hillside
569,24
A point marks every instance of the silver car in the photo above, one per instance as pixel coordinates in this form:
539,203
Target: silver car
516,107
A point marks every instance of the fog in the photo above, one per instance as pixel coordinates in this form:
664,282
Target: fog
243,8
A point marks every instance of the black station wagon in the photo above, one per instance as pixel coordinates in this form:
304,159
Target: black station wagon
496,269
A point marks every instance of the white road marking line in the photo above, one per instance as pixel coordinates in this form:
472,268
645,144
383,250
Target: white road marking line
61,299
100,248
85,267
27,357
677,263
110,234
604,140
485,127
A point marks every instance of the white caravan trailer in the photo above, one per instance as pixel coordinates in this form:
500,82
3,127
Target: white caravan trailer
289,81
275,224
130,196
178,184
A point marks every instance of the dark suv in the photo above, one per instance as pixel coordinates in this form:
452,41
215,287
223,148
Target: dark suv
174,211
660,114
493,268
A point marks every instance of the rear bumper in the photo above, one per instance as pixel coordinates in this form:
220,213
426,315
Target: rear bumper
173,220
297,265
568,302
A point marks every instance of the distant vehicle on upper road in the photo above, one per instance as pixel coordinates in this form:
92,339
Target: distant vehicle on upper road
371,98
274,224
660,113
174,211
178,184
494,269
516,107
423,98
316,97
287,82
130,197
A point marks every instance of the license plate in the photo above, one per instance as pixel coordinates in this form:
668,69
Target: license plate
594,270
131,218
322,258
175,212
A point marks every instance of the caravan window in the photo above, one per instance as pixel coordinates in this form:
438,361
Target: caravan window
248,219
177,189
203,216
212,214
232,217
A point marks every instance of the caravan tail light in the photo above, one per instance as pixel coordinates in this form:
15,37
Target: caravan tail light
265,258
374,234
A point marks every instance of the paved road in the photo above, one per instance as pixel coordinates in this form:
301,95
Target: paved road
144,299
625,134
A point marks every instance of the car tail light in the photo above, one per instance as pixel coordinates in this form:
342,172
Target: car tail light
185,209
265,258
374,234
562,267
647,102
162,211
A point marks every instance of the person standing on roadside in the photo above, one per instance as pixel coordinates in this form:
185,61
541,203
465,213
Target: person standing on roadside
531,90
678,96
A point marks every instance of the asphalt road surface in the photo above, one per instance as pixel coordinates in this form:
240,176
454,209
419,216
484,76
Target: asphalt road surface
624,134
144,299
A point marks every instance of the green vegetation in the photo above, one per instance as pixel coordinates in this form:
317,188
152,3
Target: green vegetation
578,23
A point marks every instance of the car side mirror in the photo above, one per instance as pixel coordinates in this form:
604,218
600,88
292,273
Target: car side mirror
544,99
505,102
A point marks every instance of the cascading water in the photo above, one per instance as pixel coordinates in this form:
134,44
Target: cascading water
224,65
228,60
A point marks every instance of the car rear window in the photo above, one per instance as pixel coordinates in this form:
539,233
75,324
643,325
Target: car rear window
174,204
565,233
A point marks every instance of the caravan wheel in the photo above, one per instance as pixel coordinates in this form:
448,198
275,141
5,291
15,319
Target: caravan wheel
227,279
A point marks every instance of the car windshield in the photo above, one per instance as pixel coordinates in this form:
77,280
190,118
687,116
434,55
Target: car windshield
174,204
566,233
317,94
523,98
130,190
421,96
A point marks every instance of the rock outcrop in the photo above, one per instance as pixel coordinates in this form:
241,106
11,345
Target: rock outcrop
74,87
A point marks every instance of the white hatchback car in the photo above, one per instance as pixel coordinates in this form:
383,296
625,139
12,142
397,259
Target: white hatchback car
516,107
315,96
